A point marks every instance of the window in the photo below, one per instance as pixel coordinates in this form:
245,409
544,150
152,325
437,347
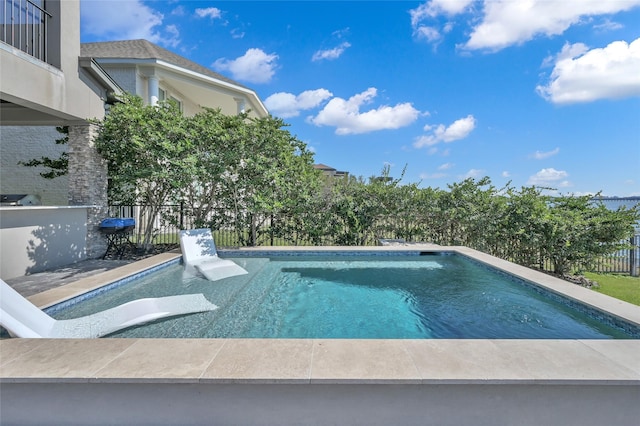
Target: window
163,95
177,101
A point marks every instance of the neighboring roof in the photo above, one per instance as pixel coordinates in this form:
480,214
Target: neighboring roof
143,49
321,166
329,170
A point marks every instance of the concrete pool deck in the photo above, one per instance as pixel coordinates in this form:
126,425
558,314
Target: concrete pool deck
323,381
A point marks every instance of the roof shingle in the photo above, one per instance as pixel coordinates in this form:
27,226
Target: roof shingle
143,49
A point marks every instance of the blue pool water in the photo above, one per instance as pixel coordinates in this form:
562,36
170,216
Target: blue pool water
364,296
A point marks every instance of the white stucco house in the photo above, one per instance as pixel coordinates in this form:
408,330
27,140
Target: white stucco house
43,84
154,73
134,66
48,79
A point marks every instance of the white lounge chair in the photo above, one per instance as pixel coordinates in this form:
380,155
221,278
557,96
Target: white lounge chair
200,255
23,319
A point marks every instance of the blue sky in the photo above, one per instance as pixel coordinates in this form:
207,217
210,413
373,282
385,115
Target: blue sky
535,92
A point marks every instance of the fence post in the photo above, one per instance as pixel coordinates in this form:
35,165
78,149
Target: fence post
181,214
271,229
633,268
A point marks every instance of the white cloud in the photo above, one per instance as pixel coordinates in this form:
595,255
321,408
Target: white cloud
474,174
130,20
501,23
430,34
341,33
429,11
568,51
179,11
425,140
573,194
346,116
285,105
174,36
255,66
331,54
432,175
550,177
506,174
608,25
209,12
459,129
237,33
508,22
445,166
433,8
538,155
581,75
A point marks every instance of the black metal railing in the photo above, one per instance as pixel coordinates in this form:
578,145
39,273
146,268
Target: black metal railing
172,218
23,25
622,261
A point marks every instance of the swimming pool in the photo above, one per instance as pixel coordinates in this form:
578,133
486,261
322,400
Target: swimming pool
386,295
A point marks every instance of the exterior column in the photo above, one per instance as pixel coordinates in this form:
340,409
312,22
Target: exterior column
153,87
88,184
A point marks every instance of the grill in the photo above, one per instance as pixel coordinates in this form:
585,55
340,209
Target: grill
117,230
115,225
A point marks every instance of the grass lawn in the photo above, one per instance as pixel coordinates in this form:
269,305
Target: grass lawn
621,287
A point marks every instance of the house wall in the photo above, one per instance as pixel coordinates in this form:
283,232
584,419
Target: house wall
24,143
55,90
320,404
124,76
134,80
189,108
141,86
35,239
229,106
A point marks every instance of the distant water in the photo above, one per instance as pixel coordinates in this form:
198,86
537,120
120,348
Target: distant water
613,203
616,203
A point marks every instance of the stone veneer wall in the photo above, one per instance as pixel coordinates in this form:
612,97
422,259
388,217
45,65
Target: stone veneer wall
88,184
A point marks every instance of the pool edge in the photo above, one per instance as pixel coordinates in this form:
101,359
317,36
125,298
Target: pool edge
602,377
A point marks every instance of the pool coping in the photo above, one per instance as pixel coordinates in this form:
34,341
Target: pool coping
327,361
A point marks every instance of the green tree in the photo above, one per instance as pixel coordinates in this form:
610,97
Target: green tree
150,156
313,221
251,168
268,174
359,209
525,212
263,179
575,231
469,214
213,134
406,211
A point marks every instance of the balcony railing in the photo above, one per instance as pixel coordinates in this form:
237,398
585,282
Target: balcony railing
23,25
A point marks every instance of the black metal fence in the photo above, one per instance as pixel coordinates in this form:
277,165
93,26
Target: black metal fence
23,25
172,218
624,261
